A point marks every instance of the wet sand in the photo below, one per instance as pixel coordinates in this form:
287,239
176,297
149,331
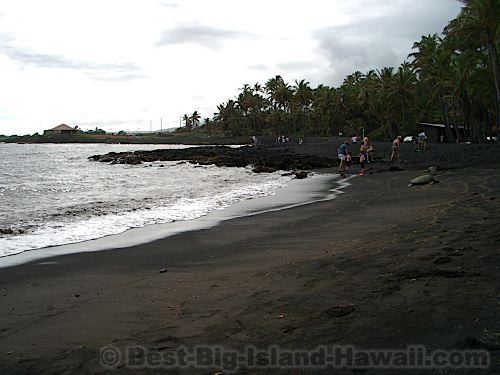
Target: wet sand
384,266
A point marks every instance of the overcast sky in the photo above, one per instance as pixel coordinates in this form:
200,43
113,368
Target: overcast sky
118,64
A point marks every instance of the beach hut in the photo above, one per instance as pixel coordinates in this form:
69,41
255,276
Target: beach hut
60,129
434,131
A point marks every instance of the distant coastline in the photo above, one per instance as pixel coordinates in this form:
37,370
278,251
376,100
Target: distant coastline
165,138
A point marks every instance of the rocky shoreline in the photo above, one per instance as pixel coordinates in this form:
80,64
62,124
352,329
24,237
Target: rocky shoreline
263,159
314,153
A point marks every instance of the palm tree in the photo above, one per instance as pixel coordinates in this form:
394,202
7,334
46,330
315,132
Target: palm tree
195,119
367,97
300,103
479,21
403,88
302,94
244,103
208,125
453,79
326,114
385,100
257,88
227,116
431,62
424,58
271,89
187,122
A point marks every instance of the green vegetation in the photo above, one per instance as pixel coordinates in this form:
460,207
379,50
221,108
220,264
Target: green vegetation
191,121
453,80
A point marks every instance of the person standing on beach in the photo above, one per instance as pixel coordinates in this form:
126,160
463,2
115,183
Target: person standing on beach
396,145
342,154
363,158
424,140
369,150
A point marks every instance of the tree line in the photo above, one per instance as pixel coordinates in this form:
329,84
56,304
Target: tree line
453,79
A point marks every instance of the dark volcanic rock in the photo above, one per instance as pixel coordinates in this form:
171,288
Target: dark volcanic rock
264,169
339,311
443,260
264,159
106,159
133,159
300,175
418,274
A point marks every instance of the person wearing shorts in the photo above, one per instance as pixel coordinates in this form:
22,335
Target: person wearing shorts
342,154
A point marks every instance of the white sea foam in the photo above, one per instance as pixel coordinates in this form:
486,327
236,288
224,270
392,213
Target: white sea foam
77,200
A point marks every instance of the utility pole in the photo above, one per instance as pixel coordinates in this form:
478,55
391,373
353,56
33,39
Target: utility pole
161,125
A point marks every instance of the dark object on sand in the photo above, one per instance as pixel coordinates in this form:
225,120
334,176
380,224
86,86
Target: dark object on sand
433,272
163,270
422,180
443,260
471,342
300,175
339,311
394,168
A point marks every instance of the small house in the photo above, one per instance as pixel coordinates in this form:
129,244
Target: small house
435,131
60,130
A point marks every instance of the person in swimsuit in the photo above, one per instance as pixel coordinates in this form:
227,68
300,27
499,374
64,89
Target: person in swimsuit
370,150
396,145
363,159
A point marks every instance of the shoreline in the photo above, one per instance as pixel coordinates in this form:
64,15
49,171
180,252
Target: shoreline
322,185
384,266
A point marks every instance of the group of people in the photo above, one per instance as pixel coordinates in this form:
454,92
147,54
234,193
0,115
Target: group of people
281,140
366,155
254,141
420,141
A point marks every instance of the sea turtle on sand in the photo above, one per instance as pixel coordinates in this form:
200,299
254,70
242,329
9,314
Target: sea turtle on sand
422,180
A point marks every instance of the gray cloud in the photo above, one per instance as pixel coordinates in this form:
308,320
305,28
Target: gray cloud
25,56
380,34
297,65
206,36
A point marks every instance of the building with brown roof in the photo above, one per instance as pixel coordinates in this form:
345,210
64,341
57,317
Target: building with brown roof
61,129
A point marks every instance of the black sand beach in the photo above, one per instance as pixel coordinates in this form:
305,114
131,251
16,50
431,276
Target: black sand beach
384,266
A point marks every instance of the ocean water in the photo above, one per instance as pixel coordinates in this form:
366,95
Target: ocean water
53,195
